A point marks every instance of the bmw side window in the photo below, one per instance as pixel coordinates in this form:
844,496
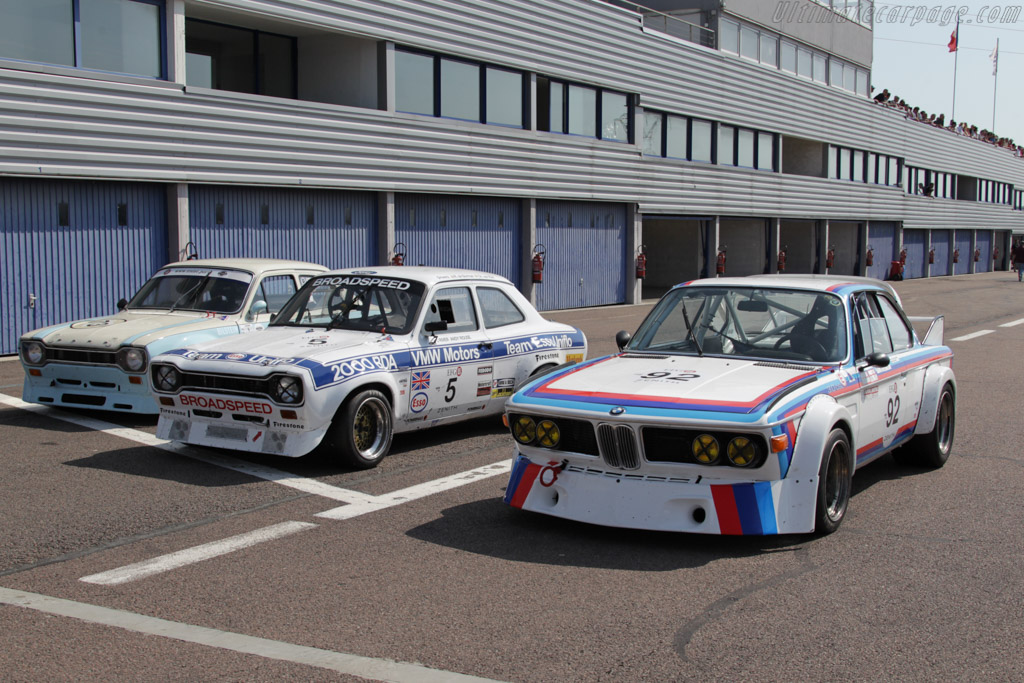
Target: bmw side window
276,290
459,301
872,331
901,335
497,308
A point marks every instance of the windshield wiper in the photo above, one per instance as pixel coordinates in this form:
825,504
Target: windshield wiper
689,331
199,285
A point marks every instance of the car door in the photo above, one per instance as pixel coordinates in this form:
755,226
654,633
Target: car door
507,329
888,403
909,374
450,357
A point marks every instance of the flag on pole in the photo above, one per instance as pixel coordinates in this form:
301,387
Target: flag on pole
995,59
953,37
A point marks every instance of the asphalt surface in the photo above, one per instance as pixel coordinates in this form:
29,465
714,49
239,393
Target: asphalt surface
922,582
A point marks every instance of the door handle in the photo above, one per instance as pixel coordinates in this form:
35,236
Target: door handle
487,346
31,300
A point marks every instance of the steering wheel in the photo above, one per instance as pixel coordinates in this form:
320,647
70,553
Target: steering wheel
807,345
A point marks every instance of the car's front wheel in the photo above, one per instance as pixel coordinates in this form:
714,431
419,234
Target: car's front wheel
362,430
835,482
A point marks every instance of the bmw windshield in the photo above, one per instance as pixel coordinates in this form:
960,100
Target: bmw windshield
762,323
354,302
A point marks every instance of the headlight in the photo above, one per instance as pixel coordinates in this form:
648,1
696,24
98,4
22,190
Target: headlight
548,434
705,449
741,451
33,353
132,359
286,389
524,429
166,378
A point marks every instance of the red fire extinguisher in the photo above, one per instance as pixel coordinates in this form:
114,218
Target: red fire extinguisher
539,253
830,257
903,257
995,253
720,262
931,255
399,256
956,255
870,256
641,264
782,260
977,254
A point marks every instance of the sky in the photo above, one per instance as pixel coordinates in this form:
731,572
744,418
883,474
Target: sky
912,60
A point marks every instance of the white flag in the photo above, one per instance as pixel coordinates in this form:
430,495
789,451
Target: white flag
995,59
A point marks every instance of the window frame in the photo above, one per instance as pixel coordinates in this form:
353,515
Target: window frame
599,102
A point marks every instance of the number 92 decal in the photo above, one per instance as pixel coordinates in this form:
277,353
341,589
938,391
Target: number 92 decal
675,376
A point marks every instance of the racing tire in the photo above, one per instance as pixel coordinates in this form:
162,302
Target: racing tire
362,430
932,449
835,483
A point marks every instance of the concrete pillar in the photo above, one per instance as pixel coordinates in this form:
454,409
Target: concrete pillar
528,230
175,13
974,247
385,227
823,246
774,235
862,261
178,233
634,238
711,255
386,77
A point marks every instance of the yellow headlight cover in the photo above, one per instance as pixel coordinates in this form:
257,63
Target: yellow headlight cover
741,451
524,429
705,449
548,434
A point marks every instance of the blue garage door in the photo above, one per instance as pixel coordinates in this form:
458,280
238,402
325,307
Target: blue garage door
334,228
882,242
984,263
916,244
481,233
962,245
586,254
941,241
71,249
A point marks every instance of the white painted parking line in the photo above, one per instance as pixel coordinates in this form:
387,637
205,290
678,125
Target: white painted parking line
303,484
352,665
206,551
418,491
973,335
1014,323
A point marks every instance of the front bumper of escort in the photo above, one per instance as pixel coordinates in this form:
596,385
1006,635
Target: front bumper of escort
600,495
269,432
98,387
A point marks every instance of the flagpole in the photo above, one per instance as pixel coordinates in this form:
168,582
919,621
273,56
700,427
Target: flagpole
956,57
995,84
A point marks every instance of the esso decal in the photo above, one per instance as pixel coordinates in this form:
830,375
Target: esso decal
418,403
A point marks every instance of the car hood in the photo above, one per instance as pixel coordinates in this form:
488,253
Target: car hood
673,382
290,346
110,332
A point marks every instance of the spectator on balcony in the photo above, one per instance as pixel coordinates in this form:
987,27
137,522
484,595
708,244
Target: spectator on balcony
883,96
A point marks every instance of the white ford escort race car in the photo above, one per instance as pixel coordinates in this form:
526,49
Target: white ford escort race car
101,363
741,406
357,356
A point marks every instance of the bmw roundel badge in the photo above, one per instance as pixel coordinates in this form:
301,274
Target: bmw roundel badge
617,410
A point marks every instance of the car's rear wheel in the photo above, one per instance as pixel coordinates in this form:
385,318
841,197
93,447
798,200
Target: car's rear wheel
362,430
835,482
933,449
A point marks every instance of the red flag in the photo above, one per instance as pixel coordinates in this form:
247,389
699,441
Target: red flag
952,40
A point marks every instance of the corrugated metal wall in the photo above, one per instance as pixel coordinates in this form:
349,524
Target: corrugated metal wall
916,244
745,242
77,247
334,228
962,243
586,254
161,131
941,241
984,264
482,233
882,240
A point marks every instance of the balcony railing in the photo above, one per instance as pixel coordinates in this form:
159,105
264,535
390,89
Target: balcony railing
672,23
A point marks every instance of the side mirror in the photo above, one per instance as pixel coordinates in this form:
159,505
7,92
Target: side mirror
622,338
122,303
258,306
877,359
435,326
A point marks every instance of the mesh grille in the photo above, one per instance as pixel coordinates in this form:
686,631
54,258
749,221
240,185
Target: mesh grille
81,356
618,446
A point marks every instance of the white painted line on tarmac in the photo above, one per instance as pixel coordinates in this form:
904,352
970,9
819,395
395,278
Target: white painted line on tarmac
1014,323
311,486
418,491
352,665
206,551
973,335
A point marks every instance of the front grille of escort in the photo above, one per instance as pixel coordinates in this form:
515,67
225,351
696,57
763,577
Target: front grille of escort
65,355
227,384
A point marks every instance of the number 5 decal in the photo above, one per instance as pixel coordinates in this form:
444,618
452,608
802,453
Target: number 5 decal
449,393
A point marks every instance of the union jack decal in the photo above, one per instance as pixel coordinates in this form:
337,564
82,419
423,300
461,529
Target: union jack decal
421,380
